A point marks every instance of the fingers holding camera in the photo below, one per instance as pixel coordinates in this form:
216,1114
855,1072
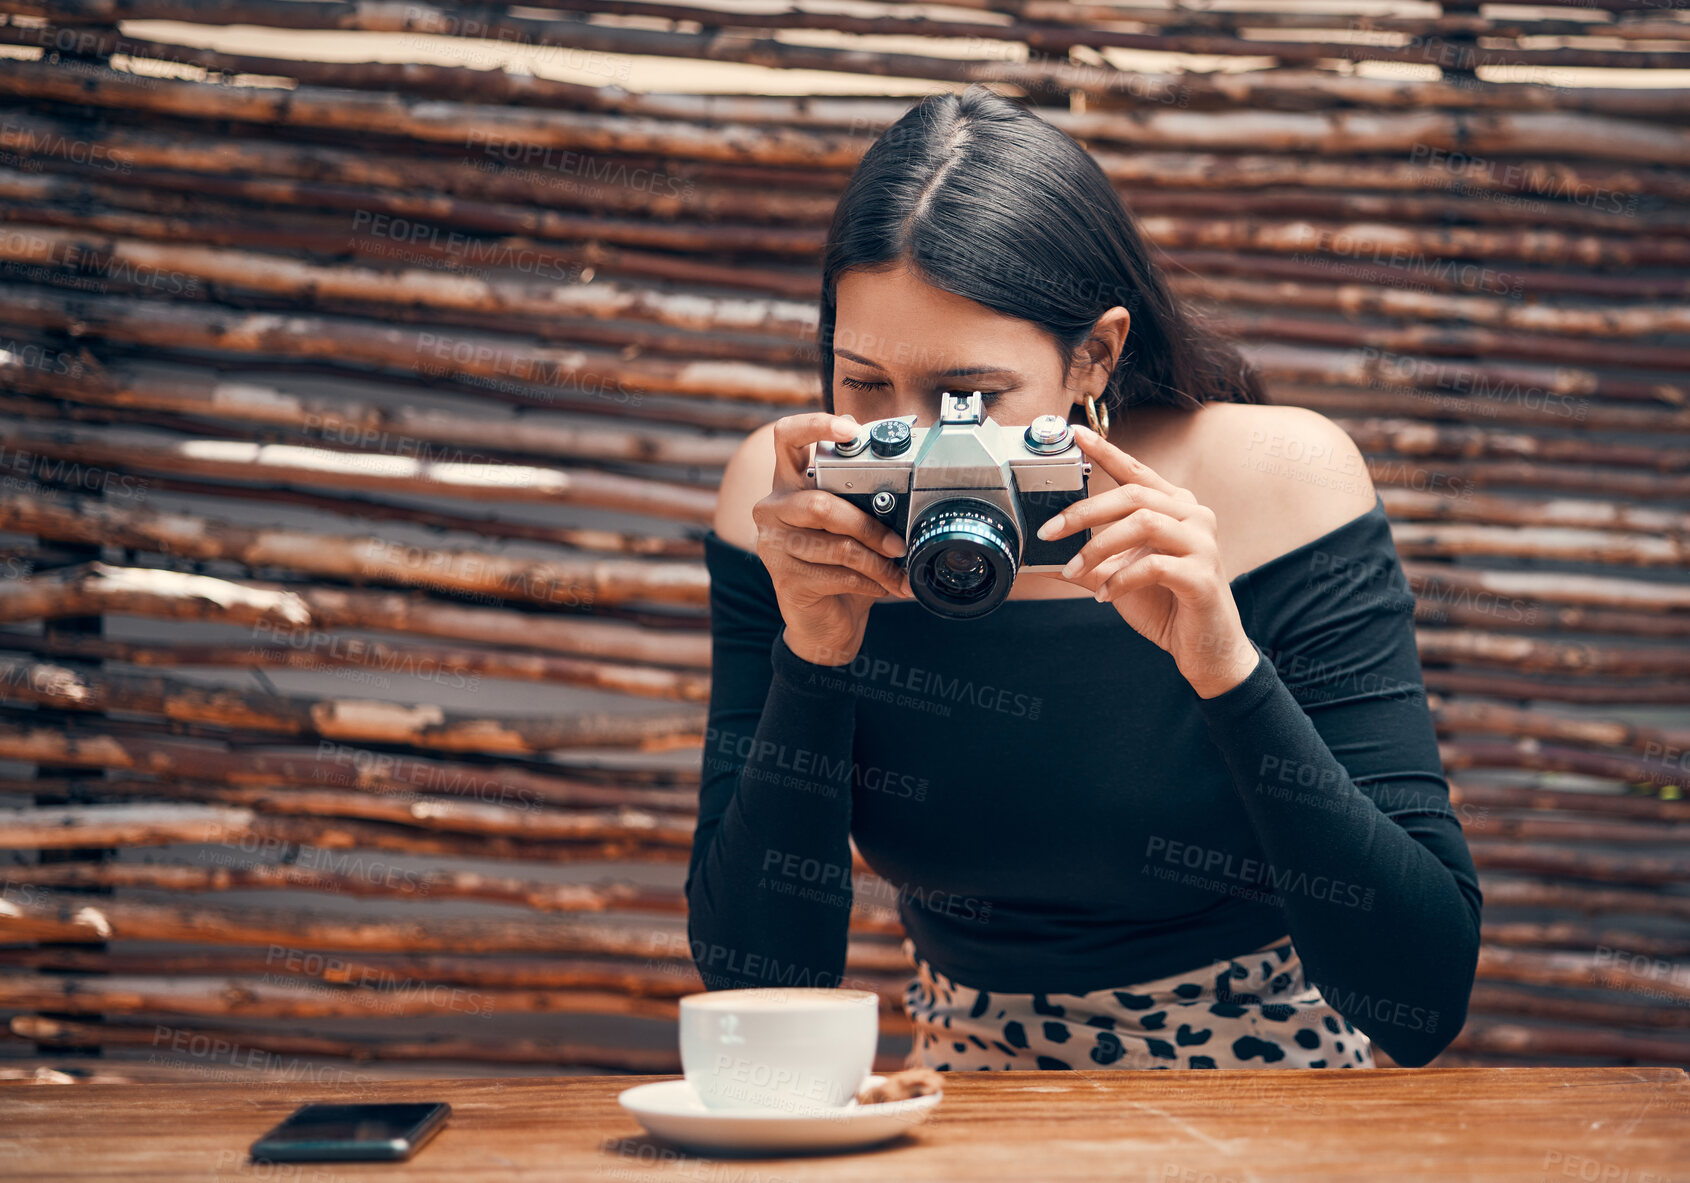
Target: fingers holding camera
825,558
1123,500
1142,531
827,580
829,559
820,510
1142,568
1154,554
794,436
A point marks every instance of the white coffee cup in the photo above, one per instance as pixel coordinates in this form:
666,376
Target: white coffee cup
782,1048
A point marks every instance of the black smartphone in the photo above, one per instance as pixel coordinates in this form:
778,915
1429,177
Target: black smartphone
384,1132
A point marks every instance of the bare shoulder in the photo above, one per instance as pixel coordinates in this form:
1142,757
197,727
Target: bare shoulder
747,479
1276,476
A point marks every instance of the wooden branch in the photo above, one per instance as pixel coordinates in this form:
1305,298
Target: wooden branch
771,237
340,719
1415,437
138,825
261,997
1451,340
1517,1003
536,894
1561,800
648,186
1552,587
300,611
127,450
239,1044
1564,544
1571,829
1653,692
1529,1004
1350,398
1425,505
1571,479
1608,734
1446,25
295,929
1529,754
1361,299
1581,937
1349,241
1537,859
362,426
873,911
156,824
651,977
364,509
181,206
88,209
1513,1038
104,746
351,111
1416,275
587,584
1438,606
1508,892
1168,31
335,834
1530,655
461,668
466,356
1470,385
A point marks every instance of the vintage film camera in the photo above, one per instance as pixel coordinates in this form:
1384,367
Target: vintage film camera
967,495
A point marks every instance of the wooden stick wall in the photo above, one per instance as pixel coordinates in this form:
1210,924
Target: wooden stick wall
360,420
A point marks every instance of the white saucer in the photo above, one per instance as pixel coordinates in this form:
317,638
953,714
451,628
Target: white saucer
671,1110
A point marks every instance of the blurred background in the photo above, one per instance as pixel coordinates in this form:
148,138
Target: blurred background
367,371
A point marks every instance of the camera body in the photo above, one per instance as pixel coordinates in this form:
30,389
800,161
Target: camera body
967,496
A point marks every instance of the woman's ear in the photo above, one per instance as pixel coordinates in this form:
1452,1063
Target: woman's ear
1098,355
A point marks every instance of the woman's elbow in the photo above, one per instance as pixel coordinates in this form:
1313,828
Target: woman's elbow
1415,1048
1416,1036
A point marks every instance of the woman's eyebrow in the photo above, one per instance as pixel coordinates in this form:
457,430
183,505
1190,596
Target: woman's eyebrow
955,372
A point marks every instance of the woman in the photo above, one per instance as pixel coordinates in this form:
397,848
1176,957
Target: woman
1179,806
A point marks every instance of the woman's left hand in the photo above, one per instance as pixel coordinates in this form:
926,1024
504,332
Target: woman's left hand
1153,554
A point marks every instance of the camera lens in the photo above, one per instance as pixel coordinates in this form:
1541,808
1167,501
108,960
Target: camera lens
961,571
962,558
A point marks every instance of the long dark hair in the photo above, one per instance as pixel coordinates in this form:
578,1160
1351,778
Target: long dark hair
984,199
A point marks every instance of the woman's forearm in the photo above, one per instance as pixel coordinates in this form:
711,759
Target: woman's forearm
1384,910
770,901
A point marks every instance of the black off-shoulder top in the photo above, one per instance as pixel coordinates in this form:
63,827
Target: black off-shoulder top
1059,812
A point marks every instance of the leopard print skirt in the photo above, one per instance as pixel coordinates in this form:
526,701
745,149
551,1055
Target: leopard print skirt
1252,1011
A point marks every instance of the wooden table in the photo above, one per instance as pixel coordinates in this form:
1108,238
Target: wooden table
1605,1125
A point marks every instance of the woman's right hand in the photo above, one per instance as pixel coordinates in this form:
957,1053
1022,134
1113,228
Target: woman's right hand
828,559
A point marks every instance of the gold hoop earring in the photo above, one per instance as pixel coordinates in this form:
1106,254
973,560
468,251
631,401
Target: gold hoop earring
1097,416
